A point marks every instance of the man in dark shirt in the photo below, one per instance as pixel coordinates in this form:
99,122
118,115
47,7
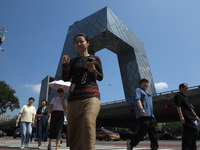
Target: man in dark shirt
187,117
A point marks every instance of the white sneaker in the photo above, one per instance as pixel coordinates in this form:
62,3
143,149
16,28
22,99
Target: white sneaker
128,145
39,147
26,146
21,147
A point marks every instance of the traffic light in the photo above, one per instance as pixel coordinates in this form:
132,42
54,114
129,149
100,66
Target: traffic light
1,40
130,110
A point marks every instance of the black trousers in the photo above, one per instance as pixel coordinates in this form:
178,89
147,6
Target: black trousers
65,130
57,119
146,124
190,133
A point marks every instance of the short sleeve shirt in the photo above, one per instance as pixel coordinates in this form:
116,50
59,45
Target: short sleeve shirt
146,101
57,104
182,101
27,113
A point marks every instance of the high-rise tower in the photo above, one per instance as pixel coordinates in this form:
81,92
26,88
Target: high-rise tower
106,30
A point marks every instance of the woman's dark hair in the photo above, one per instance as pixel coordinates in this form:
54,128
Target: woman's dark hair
143,80
31,98
83,35
44,100
182,85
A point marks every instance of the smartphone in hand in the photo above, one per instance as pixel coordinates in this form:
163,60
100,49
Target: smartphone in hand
90,60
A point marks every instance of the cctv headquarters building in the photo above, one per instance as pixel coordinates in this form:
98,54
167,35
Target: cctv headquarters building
106,30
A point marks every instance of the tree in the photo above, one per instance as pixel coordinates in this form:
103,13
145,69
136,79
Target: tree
175,128
7,98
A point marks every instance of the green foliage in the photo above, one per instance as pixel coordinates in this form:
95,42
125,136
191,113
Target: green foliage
175,128
7,98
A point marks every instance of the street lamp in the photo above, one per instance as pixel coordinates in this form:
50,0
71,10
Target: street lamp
2,37
114,89
1,49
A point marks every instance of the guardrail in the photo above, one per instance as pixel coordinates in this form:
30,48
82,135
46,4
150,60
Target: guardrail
157,94
174,91
113,102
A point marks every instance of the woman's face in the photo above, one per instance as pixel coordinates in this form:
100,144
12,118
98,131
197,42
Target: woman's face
30,102
81,44
60,94
43,103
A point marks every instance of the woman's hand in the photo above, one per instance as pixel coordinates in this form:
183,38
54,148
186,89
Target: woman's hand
48,121
182,120
48,115
90,66
65,59
33,123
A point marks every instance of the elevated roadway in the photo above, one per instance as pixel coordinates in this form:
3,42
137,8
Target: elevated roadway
122,114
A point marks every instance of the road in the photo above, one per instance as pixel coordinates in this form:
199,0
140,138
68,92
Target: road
8,143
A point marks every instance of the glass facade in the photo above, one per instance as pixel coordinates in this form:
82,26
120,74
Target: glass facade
46,90
106,30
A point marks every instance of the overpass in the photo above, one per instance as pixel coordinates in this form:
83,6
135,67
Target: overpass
122,114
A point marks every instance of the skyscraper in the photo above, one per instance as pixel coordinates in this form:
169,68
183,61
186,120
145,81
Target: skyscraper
106,30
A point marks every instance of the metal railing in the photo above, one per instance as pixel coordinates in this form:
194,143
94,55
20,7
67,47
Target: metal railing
174,91
157,94
114,102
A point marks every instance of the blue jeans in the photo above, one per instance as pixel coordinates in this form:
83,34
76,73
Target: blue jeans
26,130
190,133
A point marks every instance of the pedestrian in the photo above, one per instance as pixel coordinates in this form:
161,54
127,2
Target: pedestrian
33,130
187,117
58,106
65,130
27,115
84,95
145,118
42,123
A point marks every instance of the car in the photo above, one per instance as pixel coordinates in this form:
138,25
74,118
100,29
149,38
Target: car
126,134
104,134
167,136
159,134
179,137
17,133
3,133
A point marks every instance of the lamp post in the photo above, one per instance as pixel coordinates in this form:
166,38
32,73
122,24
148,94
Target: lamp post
114,89
2,37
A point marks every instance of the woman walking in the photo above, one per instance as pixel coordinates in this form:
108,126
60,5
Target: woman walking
58,108
42,123
27,115
84,96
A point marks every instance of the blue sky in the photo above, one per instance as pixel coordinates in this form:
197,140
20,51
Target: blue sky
36,32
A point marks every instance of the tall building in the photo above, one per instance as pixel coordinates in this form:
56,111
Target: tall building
45,90
106,30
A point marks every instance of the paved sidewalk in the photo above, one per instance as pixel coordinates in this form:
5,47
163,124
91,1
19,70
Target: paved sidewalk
8,143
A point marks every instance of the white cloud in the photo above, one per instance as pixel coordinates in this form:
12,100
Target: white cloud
161,86
34,87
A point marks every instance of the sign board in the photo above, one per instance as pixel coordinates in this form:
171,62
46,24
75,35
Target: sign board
130,99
